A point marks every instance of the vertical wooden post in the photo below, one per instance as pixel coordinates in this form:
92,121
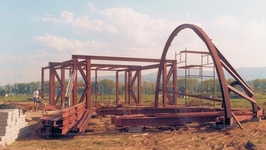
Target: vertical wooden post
139,88
96,87
51,85
164,84
129,87
75,86
116,89
88,73
174,82
126,87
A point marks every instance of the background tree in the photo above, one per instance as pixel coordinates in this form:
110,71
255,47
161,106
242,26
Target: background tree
8,88
148,87
107,86
2,90
256,84
263,85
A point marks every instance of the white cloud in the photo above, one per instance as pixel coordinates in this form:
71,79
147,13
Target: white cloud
22,68
254,31
125,32
226,22
253,44
123,21
242,43
122,29
66,47
67,16
81,23
60,44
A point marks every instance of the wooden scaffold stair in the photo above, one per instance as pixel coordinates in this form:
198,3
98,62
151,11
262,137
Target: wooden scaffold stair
68,95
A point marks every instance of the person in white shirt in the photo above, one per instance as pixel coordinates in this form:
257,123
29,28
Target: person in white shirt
35,98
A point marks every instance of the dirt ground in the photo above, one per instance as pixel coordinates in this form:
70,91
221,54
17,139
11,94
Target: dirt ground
103,135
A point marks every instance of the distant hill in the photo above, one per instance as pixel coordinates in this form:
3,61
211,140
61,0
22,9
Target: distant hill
247,73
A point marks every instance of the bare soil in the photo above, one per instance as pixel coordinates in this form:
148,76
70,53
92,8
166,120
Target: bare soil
103,135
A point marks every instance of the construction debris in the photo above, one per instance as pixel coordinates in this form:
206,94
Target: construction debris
61,122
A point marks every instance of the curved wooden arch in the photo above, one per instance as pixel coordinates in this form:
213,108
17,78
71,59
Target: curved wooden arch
216,61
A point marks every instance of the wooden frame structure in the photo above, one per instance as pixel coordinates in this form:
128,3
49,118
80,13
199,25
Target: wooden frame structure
84,65
167,70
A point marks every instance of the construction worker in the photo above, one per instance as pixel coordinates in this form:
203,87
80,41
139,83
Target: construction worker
35,98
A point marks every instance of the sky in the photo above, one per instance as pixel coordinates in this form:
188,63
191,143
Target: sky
34,33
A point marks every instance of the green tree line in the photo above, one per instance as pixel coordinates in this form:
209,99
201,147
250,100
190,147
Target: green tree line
107,86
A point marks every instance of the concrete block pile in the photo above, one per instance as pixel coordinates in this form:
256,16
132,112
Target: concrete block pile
12,125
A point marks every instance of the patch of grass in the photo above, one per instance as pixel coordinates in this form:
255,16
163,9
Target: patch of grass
16,98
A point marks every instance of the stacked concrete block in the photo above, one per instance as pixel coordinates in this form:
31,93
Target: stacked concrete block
12,125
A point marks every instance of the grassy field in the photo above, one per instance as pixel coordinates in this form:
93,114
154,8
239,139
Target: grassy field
149,100
15,98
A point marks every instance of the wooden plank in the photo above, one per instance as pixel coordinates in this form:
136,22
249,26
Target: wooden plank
239,124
